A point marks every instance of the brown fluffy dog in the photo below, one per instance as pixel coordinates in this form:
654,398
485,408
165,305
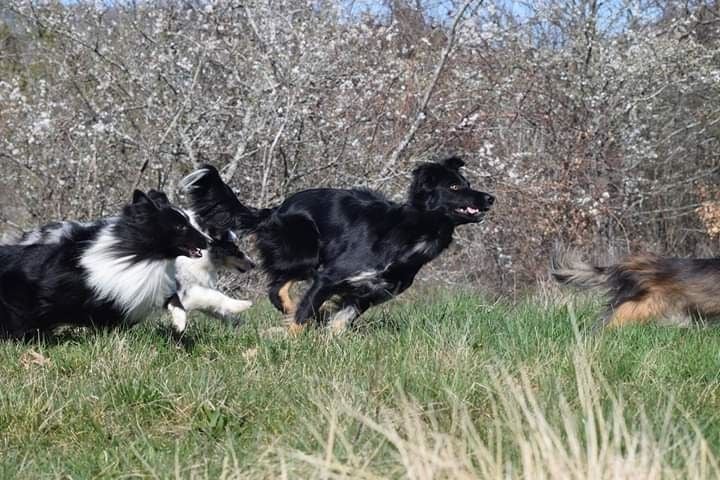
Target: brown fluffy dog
647,287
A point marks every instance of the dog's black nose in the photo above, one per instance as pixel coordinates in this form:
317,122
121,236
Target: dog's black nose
488,199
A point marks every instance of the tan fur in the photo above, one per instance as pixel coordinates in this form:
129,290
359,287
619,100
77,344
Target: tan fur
295,329
288,304
639,312
641,263
703,295
671,299
646,267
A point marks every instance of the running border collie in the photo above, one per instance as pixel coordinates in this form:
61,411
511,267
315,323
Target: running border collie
103,274
354,246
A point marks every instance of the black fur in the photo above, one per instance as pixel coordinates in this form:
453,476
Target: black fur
222,249
216,206
46,285
151,230
355,244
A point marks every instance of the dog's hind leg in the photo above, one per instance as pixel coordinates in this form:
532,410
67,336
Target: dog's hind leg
344,317
638,311
309,307
351,308
279,295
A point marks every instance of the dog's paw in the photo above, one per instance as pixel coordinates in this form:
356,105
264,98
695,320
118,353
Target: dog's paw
179,319
338,327
340,322
238,306
295,329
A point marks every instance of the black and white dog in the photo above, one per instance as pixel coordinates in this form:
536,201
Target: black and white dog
102,274
195,277
197,280
353,245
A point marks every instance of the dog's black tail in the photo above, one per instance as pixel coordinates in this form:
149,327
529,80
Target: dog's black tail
216,205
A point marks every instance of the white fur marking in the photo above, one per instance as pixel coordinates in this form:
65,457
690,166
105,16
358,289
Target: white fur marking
197,297
420,247
188,183
363,276
56,235
196,270
340,321
136,287
193,221
34,237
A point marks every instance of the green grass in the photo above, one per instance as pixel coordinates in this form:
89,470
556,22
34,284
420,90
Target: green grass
442,386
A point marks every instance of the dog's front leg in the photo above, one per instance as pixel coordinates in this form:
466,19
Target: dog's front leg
177,312
197,297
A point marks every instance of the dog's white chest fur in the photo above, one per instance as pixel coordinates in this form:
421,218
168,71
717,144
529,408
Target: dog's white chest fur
199,271
135,287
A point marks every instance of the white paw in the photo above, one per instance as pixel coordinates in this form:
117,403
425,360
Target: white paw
338,327
237,306
179,318
340,322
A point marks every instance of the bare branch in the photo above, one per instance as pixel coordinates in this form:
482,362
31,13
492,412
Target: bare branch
422,110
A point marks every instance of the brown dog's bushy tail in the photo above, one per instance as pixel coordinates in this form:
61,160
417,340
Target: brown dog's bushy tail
569,269
634,275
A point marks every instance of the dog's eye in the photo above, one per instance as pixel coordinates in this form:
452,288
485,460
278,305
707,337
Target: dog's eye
455,186
180,226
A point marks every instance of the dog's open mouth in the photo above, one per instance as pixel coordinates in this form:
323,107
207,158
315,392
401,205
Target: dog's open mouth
469,211
193,252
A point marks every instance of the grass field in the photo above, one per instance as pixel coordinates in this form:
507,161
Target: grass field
433,386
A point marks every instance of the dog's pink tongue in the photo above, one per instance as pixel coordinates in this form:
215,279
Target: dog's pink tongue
472,210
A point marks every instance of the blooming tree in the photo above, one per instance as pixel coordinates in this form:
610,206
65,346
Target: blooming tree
595,123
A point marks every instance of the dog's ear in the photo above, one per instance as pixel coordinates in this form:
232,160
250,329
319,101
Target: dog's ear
140,198
425,176
159,198
453,163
